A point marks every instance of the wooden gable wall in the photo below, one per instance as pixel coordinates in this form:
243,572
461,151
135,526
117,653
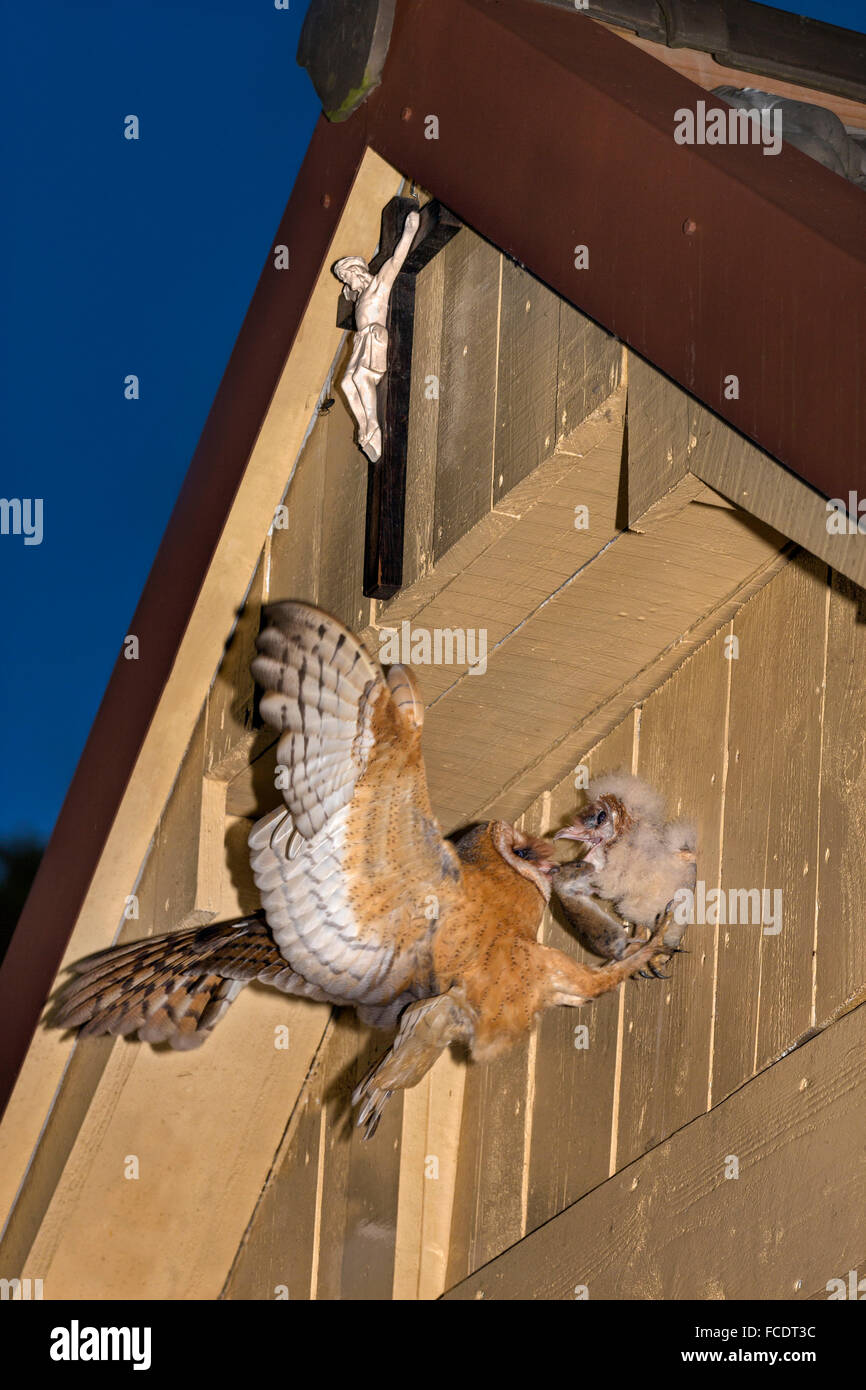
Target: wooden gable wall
607,647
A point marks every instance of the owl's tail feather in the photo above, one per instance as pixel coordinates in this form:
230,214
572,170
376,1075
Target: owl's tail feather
173,988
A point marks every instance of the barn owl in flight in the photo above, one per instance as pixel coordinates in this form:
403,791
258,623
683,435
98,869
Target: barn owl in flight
365,904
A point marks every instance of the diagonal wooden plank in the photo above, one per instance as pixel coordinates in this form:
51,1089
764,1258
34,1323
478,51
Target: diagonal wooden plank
261,479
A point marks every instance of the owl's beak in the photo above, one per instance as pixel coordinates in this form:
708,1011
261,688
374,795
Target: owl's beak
539,853
542,857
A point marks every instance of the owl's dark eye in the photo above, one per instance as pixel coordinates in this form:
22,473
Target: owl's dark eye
525,853
601,818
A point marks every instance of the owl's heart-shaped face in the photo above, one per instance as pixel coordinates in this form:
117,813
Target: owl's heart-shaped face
532,857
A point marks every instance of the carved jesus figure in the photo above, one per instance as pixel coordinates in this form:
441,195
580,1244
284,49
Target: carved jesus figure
369,360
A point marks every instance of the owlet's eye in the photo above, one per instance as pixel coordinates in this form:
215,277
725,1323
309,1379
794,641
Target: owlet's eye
601,818
525,853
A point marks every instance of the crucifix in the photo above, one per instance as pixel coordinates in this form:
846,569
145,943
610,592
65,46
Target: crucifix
377,379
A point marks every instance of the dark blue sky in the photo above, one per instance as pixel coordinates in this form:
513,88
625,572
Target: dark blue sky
126,257
120,257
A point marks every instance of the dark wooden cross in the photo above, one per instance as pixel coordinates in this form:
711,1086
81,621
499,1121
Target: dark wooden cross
386,479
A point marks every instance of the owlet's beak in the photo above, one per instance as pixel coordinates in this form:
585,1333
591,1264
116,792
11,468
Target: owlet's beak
577,831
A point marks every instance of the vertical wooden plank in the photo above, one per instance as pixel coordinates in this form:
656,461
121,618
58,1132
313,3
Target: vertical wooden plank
295,554
177,843
464,475
428,1170
526,381
573,1102
423,420
230,703
277,1253
338,1065
214,864
662,435
787,972
668,1023
589,370
764,990
359,1179
491,1190
373,1192
344,508
488,1214
841,939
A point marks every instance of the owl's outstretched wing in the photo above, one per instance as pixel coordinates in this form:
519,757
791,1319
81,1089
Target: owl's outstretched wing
354,875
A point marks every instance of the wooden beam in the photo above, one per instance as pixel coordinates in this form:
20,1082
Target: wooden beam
675,443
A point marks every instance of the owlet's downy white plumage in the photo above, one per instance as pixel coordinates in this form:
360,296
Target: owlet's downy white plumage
636,862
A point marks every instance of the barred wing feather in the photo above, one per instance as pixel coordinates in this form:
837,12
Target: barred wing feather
354,874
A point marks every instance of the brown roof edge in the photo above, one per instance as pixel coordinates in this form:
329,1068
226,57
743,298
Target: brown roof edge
710,261
553,132
170,594
742,34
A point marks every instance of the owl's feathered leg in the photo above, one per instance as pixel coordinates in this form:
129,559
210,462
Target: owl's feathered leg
574,984
426,1029
174,988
